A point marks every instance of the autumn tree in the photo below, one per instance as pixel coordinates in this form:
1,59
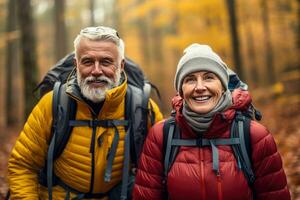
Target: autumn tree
92,12
235,41
29,57
12,63
250,48
270,74
144,37
60,29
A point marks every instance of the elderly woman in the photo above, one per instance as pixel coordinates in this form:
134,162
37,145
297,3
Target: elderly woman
205,109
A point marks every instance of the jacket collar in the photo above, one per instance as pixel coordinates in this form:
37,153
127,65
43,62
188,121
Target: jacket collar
221,121
113,97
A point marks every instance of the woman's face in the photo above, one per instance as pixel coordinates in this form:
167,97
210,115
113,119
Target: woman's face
202,91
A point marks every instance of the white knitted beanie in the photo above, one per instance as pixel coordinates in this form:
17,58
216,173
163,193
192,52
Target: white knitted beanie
198,57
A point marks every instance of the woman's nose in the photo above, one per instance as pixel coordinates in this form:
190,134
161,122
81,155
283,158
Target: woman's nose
200,85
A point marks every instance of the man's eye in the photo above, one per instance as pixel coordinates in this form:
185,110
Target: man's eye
87,62
106,63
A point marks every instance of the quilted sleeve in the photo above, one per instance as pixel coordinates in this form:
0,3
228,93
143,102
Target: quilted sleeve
271,182
29,152
149,179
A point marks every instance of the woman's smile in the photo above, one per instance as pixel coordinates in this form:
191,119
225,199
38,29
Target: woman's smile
202,91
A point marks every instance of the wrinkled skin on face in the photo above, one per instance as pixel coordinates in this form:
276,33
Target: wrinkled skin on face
202,91
98,68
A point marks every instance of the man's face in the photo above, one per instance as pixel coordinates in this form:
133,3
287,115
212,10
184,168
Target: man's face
98,68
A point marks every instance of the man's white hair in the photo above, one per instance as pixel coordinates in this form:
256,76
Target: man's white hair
101,33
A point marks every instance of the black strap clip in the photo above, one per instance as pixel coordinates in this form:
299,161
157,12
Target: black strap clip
199,142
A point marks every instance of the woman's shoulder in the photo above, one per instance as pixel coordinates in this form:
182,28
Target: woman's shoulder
258,131
262,142
156,131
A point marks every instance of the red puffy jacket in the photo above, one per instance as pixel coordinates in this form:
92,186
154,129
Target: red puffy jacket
192,177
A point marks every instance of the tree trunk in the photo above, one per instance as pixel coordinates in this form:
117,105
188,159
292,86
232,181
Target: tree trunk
60,30
143,28
157,43
235,38
254,75
11,65
269,51
92,12
117,13
29,57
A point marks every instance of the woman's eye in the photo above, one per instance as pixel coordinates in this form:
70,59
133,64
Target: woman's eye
209,77
189,80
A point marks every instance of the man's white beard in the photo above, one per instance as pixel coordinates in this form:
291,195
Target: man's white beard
97,95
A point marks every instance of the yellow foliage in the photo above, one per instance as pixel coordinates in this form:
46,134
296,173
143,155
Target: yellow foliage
278,88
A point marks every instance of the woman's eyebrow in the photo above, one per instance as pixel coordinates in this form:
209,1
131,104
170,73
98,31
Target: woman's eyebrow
189,76
206,73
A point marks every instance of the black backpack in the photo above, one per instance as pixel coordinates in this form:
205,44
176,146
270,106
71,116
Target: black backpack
64,111
239,138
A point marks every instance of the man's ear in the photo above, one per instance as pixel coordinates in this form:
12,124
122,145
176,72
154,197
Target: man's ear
74,62
122,64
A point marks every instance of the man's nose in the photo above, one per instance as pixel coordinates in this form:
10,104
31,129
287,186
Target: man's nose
97,69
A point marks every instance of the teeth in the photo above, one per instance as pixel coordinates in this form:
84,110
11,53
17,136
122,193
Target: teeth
202,98
98,81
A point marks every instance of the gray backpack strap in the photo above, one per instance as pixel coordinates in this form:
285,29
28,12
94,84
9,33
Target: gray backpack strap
125,171
134,137
50,154
241,128
63,109
168,149
201,142
135,115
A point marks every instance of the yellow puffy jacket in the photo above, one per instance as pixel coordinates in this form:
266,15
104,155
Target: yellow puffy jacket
74,166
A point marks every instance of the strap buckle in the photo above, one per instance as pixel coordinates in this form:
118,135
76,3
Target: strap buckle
199,142
239,116
91,123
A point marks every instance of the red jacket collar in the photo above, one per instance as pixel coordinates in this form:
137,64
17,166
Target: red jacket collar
221,121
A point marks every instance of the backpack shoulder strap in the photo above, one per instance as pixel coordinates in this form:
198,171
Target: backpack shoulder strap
134,113
247,139
170,131
63,109
241,129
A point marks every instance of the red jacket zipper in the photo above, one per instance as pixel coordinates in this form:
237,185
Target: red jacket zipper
202,185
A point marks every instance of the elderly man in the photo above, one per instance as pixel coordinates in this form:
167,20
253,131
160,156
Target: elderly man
86,168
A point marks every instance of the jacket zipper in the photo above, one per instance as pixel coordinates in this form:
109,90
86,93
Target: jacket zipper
92,151
202,185
220,195
92,147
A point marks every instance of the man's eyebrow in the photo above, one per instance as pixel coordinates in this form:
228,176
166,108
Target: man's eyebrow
85,57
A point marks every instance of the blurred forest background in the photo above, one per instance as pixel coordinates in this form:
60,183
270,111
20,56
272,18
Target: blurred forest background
259,39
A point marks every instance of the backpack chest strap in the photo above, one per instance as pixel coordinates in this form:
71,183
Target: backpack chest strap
113,149
207,142
99,123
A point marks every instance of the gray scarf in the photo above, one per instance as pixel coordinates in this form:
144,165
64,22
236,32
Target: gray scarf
200,122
